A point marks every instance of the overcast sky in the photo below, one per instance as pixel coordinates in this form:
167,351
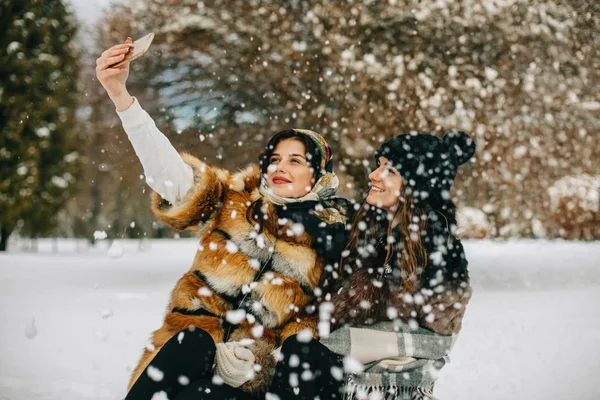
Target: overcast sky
89,10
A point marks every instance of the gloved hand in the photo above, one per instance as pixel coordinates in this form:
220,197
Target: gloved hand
234,362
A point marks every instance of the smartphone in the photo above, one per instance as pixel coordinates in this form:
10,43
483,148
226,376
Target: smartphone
140,48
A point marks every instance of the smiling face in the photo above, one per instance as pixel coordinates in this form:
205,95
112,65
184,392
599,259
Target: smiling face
289,174
386,184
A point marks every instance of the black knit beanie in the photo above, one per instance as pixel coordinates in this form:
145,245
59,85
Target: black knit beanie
428,165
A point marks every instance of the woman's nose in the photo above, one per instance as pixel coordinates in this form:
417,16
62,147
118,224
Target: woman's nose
374,175
279,167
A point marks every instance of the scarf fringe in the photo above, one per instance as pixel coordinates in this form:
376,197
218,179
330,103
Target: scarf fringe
361,392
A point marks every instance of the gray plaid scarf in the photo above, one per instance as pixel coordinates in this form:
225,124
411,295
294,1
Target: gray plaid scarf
399,362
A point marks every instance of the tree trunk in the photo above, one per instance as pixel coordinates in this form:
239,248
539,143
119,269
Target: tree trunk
4,234
94,155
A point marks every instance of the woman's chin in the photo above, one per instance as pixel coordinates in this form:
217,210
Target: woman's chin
373,200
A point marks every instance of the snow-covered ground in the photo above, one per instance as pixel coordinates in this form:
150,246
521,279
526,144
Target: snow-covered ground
73,323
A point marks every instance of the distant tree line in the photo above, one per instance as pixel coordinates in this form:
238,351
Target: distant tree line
521,77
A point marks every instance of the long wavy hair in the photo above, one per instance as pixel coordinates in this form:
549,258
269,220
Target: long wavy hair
401,233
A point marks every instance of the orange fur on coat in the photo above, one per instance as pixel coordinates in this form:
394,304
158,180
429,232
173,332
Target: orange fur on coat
230,254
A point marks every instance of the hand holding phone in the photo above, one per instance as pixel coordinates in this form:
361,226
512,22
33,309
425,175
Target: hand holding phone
140,48
112,68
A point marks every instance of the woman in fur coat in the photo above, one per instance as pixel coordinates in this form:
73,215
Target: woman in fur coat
403,280
265,233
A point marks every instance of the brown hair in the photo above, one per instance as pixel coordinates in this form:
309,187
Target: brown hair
255,213
314,160
410,221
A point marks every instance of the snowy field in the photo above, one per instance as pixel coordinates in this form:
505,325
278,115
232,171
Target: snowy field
73,323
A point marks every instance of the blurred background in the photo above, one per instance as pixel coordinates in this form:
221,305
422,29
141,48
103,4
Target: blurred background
521,77
82,285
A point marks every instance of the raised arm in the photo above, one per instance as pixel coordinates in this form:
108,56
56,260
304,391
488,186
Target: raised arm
165,170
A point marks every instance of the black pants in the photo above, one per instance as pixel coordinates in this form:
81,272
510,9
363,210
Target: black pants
204,389
182,369
308,371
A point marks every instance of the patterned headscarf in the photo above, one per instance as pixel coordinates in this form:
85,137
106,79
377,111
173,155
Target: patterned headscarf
322,146
327,183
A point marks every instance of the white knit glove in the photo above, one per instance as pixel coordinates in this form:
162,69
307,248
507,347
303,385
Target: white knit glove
234,363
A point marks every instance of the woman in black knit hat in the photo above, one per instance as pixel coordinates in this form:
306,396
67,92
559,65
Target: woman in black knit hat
403,279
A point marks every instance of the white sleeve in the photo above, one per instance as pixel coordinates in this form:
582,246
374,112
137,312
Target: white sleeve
165,170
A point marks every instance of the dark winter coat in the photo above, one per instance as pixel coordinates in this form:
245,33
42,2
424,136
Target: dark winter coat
273,269
370,294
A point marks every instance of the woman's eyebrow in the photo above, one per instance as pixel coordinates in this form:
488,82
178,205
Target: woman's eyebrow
291,155
390,165
298,155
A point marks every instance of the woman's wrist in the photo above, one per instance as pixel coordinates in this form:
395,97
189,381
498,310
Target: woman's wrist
122,101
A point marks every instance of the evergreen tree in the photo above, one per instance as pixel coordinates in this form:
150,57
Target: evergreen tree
38,98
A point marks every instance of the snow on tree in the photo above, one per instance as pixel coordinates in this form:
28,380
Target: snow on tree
575,206
472,223
38,92
519,76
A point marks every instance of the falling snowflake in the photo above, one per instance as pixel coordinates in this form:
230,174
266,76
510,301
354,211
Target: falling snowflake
304,336
155,374
235,316
160,396
231,247
352,365
100,235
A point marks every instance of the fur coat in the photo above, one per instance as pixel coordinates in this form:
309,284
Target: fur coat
274,269
372,293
